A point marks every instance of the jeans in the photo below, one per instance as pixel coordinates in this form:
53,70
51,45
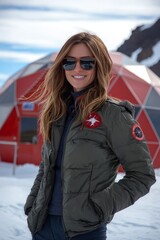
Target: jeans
53,230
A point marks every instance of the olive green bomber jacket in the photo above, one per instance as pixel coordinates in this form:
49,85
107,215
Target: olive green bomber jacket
92,155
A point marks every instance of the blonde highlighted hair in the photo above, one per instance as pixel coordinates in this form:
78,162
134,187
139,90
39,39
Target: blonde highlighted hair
55,89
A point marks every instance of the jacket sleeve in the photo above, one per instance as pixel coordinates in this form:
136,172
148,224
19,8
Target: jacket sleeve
35,188
127,141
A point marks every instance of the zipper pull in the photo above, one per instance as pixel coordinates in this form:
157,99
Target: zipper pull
82,126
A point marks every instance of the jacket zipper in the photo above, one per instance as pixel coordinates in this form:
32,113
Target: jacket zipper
62,171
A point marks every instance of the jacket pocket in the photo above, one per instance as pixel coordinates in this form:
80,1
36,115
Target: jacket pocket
36,219
32,220
77,206
97,209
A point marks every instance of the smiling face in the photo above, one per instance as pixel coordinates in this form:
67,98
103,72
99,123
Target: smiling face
80,78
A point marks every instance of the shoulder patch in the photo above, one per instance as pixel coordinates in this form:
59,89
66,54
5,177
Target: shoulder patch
137,132
93,120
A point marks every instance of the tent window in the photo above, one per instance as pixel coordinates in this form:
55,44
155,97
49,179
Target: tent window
28,130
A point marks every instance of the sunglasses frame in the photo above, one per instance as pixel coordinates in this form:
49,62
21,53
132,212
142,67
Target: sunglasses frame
86,63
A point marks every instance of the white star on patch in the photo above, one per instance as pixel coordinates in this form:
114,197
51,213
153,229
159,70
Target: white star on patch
92,121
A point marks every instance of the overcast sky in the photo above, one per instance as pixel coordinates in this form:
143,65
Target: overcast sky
30,29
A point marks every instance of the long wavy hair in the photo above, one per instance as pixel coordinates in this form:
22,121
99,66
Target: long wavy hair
55,90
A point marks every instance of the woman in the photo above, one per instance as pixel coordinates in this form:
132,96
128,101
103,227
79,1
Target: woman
87,135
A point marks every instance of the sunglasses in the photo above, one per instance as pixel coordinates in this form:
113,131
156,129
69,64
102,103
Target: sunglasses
86,63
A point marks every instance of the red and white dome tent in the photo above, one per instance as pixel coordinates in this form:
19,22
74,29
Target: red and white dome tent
19,135
140,86
19,138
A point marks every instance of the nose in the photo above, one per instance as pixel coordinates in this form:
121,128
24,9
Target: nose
78,66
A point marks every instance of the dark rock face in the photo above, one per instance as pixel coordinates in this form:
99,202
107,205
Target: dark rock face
143,38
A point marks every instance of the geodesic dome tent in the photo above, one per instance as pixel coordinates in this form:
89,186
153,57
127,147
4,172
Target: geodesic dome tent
18,121
19,138
140,86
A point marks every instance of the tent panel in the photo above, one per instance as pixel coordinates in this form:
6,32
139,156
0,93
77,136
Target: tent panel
155,118
153,149
7,152
116,69
155,81
33,90
33,155
26,83
8,96
153,99
32,68
5,111
121,91
156,162
157,89
49,58
11,80
137,110
129,74
10,126
147,128
140,88
112,81
140,72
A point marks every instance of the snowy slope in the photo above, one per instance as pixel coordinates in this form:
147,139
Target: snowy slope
138,222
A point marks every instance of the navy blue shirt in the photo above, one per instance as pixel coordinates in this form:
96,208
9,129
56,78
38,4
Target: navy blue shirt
55,206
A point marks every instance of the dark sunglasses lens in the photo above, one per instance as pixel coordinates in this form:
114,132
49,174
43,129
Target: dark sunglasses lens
69,64
87,64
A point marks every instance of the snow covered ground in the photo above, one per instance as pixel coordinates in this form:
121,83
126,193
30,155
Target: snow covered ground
138,222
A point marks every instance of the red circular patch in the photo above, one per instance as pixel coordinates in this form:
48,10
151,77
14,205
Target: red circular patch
93,120
137,132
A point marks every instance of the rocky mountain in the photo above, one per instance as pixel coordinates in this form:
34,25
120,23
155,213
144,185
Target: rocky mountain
143,46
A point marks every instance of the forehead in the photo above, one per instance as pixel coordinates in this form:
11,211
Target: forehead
80,50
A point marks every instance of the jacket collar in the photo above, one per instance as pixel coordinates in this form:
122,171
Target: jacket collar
76,95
